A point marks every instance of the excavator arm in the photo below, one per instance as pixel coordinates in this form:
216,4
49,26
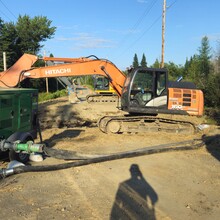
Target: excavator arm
23,69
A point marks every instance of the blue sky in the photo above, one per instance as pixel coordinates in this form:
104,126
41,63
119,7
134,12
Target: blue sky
117,29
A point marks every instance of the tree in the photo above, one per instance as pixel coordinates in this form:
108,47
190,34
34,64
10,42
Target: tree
204,57
191,71
212,91
8,43
175,71
156,64
135,61
31,32
143,61
25,36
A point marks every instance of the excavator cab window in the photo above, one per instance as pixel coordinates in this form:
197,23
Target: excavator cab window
101,83
160,82
142,88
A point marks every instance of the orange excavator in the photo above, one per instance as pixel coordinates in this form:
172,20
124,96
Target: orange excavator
144,93
103,91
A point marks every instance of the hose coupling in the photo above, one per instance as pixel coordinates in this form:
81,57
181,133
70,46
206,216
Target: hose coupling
6,172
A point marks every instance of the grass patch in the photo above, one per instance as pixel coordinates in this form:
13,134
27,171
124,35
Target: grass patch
48,96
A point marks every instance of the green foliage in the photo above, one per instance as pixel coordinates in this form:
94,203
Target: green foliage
31,32
48,96
156,64
24,36
175,71
8,41
135,61
199,67
143,61
204,57
191,71
212,91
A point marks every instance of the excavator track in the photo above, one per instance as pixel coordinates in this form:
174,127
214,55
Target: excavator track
138,124
101,98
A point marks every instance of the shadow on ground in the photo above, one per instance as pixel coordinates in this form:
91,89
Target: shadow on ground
213,145
70,133
135,198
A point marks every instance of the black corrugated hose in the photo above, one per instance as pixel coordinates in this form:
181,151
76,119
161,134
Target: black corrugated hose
91,159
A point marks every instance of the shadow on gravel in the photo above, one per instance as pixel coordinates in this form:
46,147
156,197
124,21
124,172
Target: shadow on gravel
213,145
62,116
70,133
135,198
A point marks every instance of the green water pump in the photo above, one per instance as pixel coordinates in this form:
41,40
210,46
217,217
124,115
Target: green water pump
17,146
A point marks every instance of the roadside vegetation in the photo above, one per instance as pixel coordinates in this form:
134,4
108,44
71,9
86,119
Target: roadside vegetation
44,96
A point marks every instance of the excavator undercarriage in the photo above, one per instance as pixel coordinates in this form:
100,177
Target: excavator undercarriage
138,124
92,98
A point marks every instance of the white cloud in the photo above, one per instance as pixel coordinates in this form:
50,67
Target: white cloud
85,40
123,32
142,1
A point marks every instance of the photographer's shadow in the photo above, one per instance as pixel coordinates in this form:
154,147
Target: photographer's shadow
135,198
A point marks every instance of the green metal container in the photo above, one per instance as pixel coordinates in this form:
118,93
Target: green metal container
18,111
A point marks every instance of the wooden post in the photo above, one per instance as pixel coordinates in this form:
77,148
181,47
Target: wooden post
4,61
163,33
47,87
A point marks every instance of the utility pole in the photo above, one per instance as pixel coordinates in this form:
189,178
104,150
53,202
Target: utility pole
163,33
4,61
47,86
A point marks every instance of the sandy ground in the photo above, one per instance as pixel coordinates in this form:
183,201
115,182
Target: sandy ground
173,185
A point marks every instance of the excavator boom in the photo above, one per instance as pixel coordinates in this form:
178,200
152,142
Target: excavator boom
22,69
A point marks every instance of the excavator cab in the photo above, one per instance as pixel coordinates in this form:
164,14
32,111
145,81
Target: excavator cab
145,87
101,83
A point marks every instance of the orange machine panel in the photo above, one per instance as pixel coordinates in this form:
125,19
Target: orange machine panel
189,100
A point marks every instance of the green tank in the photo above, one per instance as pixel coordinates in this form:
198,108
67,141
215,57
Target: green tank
18,114
18,111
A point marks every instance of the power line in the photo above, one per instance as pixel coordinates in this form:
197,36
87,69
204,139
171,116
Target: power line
144,14
8,9
148,29
138,22
5,15
168,7
143,34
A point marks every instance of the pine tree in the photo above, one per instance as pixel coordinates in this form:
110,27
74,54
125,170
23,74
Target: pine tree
204,57
156,64
135,61
143,61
